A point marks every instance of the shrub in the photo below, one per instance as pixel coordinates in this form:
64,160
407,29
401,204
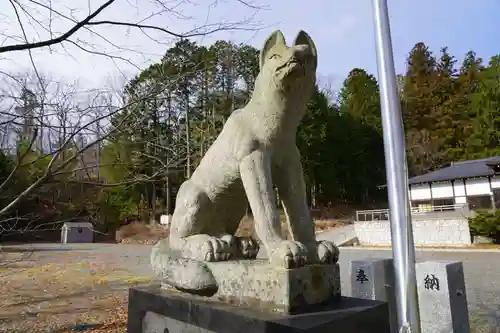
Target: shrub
486,224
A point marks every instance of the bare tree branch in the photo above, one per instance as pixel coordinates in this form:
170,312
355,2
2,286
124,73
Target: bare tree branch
71,126
179,35
52,169
62,38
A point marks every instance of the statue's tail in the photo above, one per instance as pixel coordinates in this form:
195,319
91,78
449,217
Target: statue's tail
185,274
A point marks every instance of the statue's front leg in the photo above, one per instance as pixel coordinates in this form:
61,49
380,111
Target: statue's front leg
256,177
289,179
192,213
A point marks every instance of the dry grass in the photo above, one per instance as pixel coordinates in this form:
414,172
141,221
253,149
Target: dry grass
322,225
324,219
145,233
337,211
141,233
117,323
246,227
53,294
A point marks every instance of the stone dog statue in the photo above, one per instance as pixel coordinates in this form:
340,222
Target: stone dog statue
255,149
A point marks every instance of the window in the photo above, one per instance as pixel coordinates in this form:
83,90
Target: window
479,202
496,196
416,203
443,202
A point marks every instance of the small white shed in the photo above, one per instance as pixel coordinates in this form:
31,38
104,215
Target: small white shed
77,232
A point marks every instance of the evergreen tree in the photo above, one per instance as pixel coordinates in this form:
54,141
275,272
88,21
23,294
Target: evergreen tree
485,114
360,97
418,106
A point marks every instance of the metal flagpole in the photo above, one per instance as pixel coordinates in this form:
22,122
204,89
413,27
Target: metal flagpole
403,249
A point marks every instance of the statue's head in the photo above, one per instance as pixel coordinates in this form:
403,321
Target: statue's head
289,67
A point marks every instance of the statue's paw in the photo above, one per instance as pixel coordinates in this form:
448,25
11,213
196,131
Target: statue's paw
289,254
248,247
328,252
215,249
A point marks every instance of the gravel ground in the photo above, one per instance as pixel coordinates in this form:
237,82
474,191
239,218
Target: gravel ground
52,288
482,271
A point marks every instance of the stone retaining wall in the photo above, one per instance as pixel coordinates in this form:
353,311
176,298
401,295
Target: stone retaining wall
451,231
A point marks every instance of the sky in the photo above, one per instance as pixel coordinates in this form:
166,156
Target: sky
342,30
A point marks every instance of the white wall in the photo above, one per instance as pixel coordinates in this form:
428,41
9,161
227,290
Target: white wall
476,186
479,186
442,190
454,231
495,182
420,192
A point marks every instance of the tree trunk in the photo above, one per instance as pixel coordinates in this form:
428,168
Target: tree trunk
188,146
313,196
152,218
168,193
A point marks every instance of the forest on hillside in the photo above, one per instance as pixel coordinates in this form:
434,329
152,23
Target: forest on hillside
129,156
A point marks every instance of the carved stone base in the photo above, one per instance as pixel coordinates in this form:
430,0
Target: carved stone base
153,310
259,285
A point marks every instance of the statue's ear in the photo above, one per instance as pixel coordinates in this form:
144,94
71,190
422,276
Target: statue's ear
275,40
304,39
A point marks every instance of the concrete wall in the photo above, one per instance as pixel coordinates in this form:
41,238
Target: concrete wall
443,231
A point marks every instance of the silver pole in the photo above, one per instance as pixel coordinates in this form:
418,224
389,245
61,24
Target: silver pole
403,249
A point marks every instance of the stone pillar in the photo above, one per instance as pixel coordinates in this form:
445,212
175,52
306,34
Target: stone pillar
440,286
374,279
442,297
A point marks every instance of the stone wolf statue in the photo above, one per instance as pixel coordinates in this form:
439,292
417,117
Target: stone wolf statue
255,149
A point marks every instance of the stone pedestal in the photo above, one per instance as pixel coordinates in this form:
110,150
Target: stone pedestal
263,286
156,310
